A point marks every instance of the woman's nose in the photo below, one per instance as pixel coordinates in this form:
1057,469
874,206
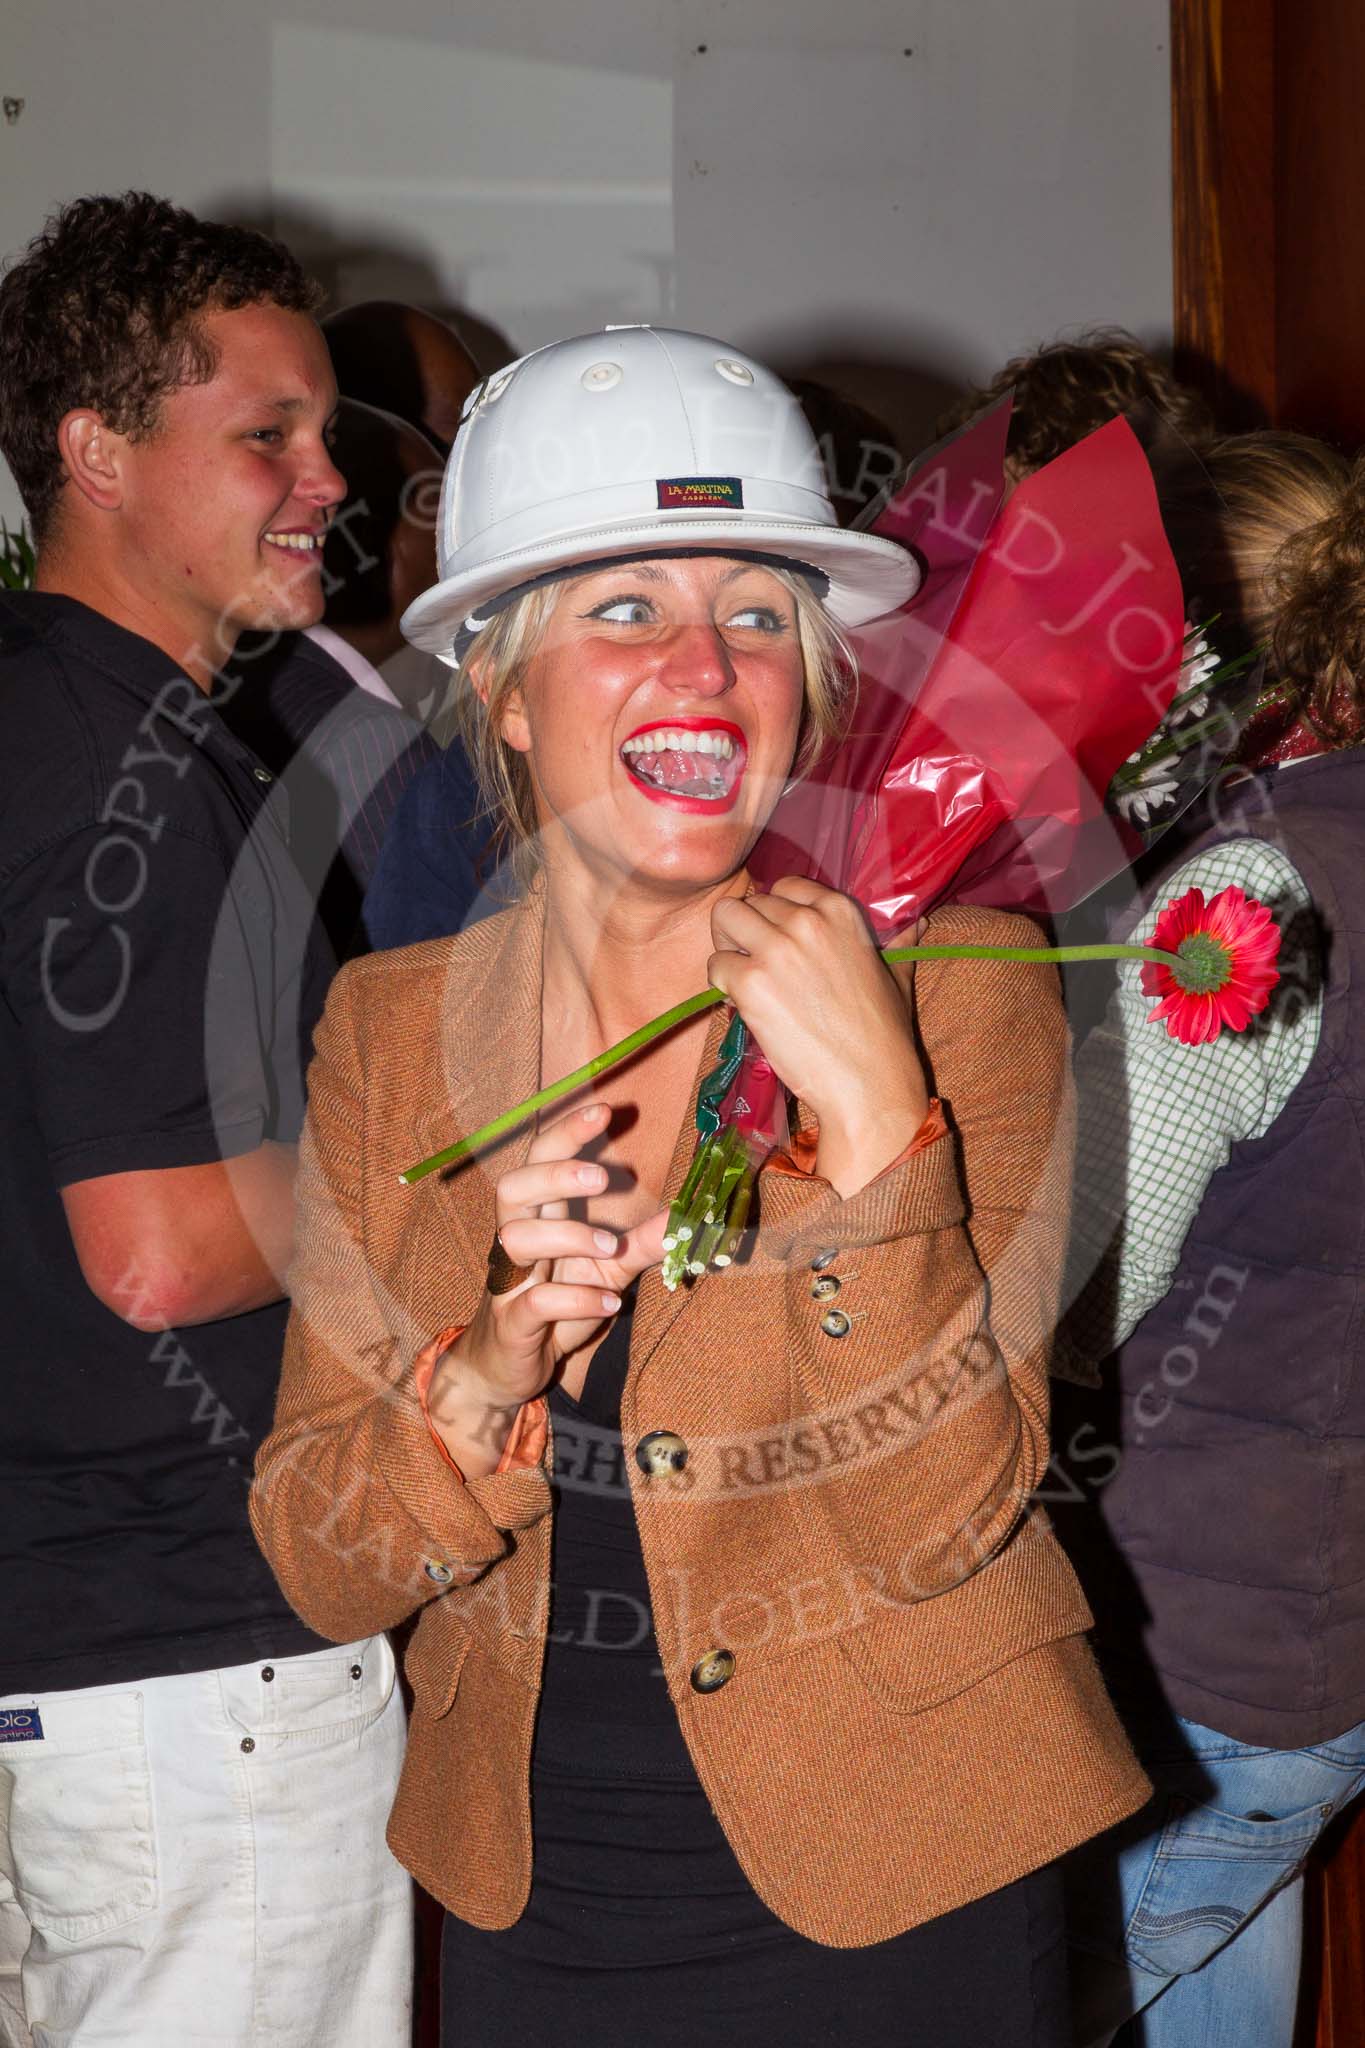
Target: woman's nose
698,662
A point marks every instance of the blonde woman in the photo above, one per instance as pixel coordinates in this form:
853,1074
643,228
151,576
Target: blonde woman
749,1691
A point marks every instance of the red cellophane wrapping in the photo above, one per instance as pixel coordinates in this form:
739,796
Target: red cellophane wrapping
1042,649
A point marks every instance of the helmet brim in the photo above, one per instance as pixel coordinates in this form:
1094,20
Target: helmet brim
869,576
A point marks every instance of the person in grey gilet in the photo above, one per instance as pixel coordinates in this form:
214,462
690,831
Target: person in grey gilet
1212,1487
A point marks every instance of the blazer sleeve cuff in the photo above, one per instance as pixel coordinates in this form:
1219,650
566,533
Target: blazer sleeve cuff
919,1191
796,1160
453,1530
526,1441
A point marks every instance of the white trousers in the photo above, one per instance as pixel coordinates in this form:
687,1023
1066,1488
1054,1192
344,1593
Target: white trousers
201,1860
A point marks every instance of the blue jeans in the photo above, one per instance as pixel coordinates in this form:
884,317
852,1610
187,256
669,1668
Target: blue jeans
1191,1913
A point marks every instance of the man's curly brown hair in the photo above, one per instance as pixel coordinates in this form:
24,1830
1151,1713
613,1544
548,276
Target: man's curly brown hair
1065,391
100,310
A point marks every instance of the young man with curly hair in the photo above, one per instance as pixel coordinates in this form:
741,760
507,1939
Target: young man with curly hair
1067,389
192,1784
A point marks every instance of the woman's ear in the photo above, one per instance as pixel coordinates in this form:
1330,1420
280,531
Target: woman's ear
513,724
509,718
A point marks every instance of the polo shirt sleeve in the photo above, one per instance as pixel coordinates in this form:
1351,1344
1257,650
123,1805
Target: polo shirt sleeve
126,967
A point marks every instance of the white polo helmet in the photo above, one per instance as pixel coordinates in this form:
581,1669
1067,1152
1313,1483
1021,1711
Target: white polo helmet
633,441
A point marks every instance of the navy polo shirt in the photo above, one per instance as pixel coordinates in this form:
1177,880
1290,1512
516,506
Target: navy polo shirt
158,991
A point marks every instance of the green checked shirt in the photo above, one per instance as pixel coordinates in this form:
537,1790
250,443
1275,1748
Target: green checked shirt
1157,1119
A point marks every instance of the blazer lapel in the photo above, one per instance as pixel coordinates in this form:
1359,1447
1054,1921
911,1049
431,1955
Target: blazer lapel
489,1053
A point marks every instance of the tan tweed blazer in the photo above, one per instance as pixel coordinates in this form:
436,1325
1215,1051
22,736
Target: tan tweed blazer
912,1717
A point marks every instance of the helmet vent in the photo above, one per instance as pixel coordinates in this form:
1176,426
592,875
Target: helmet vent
733,372
602,377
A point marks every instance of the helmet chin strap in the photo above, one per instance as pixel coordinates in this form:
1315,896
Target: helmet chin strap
488,611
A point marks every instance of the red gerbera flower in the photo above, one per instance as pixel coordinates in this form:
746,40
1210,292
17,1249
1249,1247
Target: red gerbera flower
1227,949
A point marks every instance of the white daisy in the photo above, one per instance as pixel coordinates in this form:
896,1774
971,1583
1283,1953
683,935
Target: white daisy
1149,794
1199,664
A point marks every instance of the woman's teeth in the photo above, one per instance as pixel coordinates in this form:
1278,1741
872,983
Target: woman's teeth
694,764
718,743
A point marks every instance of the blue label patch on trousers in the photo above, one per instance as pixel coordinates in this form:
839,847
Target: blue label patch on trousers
20,1724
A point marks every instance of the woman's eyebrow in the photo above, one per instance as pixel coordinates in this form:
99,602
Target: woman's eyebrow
646,572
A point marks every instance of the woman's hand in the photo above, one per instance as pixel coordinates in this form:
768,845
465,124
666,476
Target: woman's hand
577,1272
800,967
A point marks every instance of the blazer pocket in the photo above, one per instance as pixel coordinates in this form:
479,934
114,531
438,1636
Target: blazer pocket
434,1661
916,1654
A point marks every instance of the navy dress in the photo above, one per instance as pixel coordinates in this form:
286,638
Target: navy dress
641,1930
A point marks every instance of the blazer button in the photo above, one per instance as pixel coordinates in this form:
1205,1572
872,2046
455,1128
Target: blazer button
824,1258
824,1286
835,1323
659,1452
713,1671
439,1574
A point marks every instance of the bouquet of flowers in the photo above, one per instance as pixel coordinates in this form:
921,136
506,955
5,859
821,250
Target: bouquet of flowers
1023,729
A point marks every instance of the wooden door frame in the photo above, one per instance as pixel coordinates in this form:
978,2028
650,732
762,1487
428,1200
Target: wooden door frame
1223,203
1268,210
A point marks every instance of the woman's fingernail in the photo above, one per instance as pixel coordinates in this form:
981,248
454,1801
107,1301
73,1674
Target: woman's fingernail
592,1176
611,1302
605,1240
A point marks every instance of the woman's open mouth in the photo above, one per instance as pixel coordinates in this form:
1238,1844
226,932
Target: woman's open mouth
695,763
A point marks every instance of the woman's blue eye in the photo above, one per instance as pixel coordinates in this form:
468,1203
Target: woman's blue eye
265,434
760,616
625,611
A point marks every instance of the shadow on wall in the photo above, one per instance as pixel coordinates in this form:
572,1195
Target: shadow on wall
909,393
869,413
1236,409
350,271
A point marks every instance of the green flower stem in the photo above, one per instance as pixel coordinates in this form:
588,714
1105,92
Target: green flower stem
1228,673
543,1097
706,1246
707,999
700,1214
683,1200
895,954
707,1223
1133,774
724,1253
720,1184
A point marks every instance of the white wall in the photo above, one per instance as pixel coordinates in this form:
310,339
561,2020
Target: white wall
776,171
